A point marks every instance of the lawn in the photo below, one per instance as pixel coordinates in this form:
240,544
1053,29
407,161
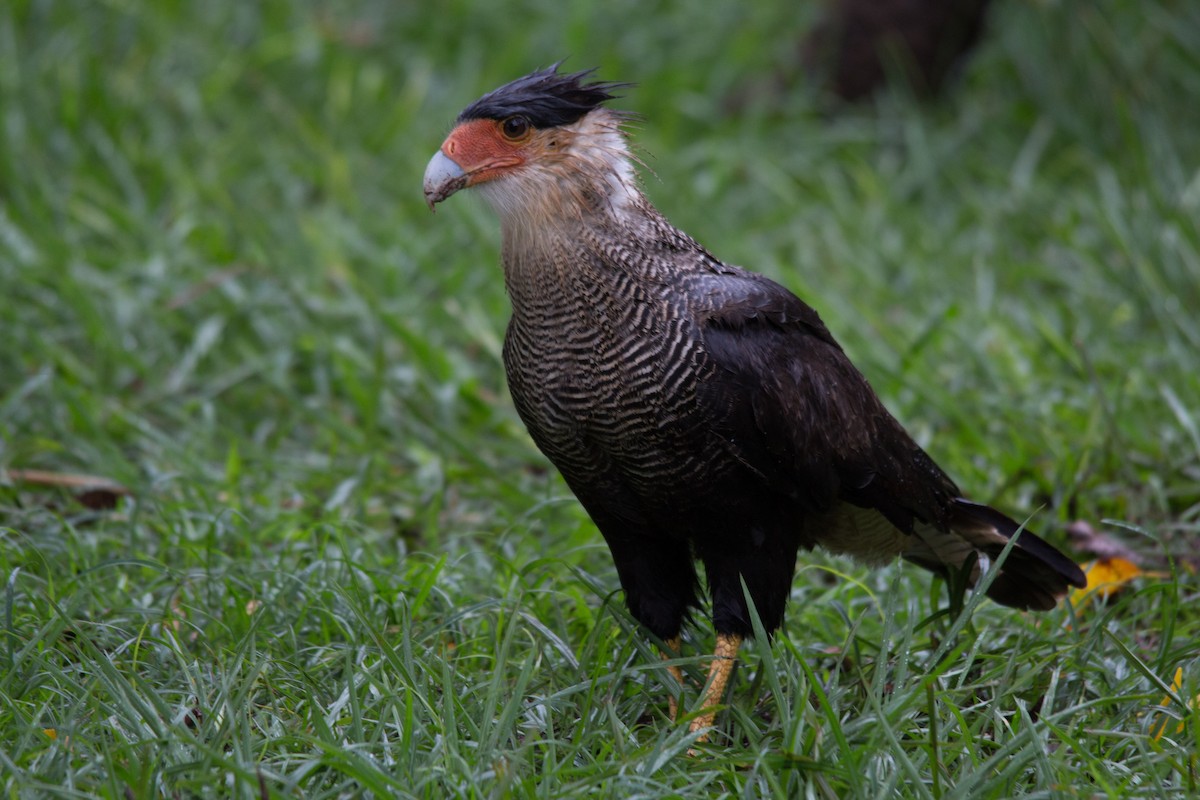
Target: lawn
326,560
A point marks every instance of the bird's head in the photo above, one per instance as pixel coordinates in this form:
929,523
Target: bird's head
542,144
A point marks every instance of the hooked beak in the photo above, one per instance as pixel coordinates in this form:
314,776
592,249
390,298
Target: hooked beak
443,177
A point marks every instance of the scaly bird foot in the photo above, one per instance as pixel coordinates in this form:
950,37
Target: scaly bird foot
719,672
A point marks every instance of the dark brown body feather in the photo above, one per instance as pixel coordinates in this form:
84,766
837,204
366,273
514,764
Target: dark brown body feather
700,410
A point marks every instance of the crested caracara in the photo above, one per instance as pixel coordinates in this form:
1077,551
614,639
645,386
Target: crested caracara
699,411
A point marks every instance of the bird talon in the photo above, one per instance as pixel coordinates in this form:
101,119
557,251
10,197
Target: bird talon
719,672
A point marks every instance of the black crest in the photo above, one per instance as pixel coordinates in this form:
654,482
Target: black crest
546,98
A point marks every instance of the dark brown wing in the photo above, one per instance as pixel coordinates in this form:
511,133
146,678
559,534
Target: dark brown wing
808,419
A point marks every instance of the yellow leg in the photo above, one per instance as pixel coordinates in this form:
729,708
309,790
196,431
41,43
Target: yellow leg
673,644
718,678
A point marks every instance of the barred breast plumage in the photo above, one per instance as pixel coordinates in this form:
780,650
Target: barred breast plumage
604,360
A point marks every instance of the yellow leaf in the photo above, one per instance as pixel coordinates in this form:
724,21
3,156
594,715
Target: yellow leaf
50,732
1105,577
1161,728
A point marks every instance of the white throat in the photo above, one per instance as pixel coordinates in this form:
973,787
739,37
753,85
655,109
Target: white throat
590,171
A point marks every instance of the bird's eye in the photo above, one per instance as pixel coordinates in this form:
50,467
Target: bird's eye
514,128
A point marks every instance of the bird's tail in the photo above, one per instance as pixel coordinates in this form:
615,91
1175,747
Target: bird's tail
1034,575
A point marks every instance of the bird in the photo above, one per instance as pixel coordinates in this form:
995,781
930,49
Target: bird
700,412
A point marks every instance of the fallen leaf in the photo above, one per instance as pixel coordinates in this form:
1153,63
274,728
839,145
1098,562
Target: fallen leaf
93,491
1105,577
1161,728
99,499
69,480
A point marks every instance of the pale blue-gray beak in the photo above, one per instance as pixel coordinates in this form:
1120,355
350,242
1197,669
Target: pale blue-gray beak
443,178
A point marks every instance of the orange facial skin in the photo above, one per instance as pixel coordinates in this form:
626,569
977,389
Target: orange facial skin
478,151
483,150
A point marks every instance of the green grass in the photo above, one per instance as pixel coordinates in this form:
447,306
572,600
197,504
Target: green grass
344,568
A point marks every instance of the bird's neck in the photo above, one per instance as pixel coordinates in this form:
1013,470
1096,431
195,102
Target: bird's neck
571,237
541,266
585,177
563,261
